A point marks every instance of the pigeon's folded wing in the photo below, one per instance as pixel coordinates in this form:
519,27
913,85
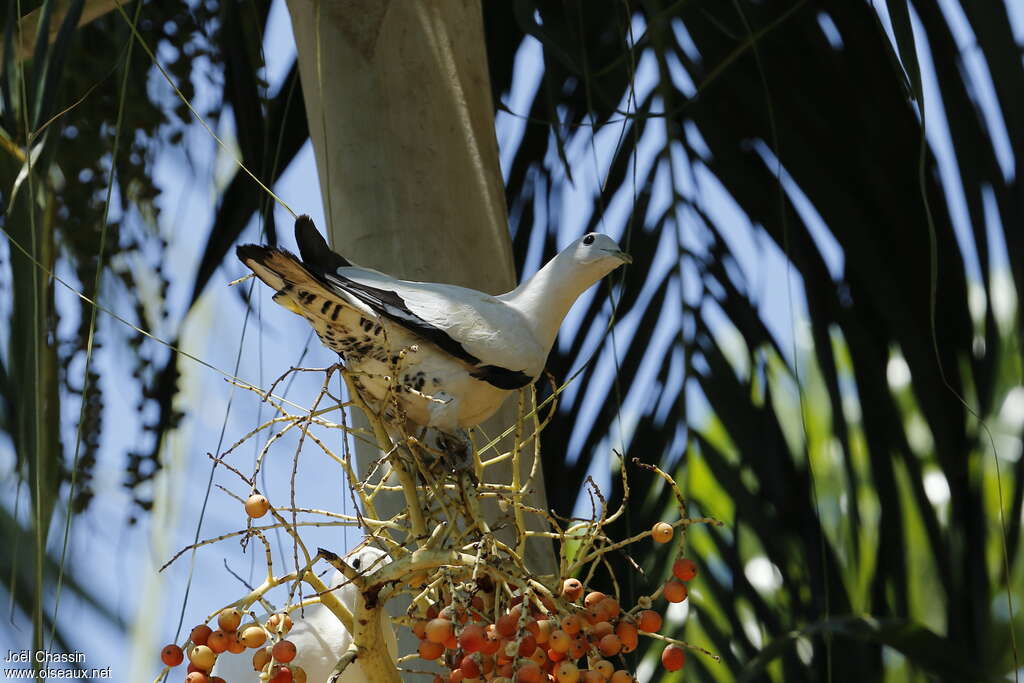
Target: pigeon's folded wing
470,325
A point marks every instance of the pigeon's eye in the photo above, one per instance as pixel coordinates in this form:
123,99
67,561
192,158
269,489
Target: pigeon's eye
589,239
356,562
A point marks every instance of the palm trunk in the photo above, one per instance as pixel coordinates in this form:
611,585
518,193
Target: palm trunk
399,104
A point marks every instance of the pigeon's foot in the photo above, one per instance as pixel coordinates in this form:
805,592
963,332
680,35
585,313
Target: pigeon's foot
456,448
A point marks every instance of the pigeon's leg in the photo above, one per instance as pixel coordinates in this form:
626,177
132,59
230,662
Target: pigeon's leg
444,418
443,412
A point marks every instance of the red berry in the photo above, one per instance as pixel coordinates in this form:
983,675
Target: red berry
172,655
673,658
572,589
684,569
199,634
649,621
675,591
284,651
281,674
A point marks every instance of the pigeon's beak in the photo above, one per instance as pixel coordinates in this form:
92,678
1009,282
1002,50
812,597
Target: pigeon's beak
622,256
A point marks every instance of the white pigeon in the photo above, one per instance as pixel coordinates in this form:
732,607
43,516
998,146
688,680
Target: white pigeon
464,350
319,637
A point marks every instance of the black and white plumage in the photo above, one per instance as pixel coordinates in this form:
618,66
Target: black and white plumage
464,350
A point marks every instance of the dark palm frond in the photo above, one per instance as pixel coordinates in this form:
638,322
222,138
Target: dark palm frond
806,116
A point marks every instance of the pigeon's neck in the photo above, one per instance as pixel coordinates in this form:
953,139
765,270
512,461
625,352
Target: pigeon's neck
545,299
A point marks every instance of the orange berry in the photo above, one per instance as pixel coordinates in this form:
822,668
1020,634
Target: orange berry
539,656
217,679
600,630
235,644
684,569
579,647
603,667
627,633
261,659
430,650
256,506
298,674
662,532
529,672
595,615
197,677
253,636
203,657
648,621
279,621
218,641
571,624
229,619
567,672
439,630
555,655
610,607
541,629
673,658
560,641
675,591
609,645
284,651
591,676
199,634
593,598
572,589
172,655
621,676
419,629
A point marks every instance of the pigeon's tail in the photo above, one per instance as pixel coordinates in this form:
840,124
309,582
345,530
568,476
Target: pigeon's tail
297,284
276,267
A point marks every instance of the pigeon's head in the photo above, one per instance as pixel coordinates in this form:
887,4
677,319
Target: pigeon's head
365,560
597,251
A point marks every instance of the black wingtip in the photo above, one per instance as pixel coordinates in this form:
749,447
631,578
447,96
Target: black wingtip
303,222
251,252
313,247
